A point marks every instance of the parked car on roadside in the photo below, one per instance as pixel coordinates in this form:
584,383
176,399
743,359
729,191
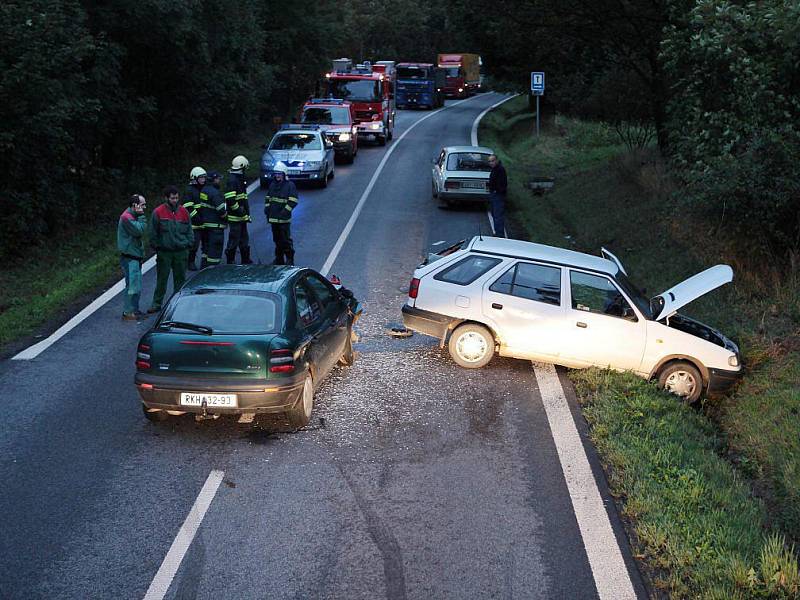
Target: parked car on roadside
461,174
306,152
245,339
524,300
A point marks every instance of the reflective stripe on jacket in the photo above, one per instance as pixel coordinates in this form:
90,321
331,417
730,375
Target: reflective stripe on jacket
236,198
191,201
212,207
280,201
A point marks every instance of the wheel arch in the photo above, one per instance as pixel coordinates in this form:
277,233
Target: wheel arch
673,358
456,323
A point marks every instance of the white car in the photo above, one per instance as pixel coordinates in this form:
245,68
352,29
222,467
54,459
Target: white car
306,152
537,302
461,174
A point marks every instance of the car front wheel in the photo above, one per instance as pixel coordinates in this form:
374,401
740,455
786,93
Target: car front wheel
471,346
300,414
682,379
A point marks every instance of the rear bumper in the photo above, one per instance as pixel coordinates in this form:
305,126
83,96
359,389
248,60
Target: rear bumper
427,322
721,381
464,196
253,396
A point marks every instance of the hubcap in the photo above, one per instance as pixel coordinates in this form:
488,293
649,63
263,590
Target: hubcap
471,346
681,383
308,396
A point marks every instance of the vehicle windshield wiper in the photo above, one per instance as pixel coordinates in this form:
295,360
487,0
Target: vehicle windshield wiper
182,325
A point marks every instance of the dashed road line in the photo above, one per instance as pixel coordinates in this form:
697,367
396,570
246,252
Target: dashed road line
609,571
172,561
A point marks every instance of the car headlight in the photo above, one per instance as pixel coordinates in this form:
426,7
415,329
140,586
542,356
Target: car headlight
377,125
311,165
733,360
344,137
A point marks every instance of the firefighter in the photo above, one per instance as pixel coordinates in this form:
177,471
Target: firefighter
214,217
278,205
171,235
238,212
191,202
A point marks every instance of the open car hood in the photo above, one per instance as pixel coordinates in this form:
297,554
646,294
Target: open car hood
685,292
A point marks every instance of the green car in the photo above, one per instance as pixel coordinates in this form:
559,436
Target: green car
245,339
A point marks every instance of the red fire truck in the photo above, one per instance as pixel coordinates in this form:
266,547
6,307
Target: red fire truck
369,88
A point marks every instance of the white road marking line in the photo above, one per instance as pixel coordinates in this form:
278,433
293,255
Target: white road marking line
610,574
477,121
35,350
354,217
491,222
254,186
172,561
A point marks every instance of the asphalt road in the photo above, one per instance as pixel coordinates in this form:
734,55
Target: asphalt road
417,479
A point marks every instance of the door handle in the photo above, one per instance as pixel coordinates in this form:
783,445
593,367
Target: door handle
497,306
581,324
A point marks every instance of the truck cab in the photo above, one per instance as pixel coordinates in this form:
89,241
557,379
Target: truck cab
419,85
462,74
370,90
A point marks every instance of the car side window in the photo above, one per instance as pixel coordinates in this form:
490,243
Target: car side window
308,310
531,281
321,290
467,270
597,294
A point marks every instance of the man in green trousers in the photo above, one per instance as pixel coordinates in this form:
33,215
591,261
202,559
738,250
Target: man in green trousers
171,235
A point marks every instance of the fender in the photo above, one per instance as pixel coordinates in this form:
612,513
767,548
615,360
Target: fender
685,357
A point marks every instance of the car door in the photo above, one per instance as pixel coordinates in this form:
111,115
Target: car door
334,316
603,327
310,318
525,304
438,165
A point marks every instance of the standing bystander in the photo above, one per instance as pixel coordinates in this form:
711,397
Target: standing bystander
498,188
130,230
171,235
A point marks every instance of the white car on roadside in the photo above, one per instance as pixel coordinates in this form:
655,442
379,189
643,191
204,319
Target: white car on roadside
537,302
461,174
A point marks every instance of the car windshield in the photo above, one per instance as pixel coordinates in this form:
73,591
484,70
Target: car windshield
339,115
468,161
412,73
361,90
452,71
296,141
226,311
641,301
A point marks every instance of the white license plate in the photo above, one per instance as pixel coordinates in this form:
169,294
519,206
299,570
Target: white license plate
211,400
477,185
294,171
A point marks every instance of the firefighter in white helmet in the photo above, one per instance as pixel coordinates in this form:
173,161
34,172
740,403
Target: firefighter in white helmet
238,211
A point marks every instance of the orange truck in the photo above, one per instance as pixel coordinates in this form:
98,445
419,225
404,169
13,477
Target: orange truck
463,73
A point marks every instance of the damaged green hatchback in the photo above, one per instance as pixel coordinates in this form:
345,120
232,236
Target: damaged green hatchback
240,339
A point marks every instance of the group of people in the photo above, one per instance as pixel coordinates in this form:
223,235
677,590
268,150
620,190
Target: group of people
177,229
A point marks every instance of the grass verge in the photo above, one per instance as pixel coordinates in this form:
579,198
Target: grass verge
40,287
711,494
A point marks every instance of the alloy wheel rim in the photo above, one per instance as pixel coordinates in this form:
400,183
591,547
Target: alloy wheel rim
681,383
471,346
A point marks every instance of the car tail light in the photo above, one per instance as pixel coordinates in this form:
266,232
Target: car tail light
413,288
143,356
451,185
281,360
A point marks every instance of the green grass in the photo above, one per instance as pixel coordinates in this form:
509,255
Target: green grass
605,195
48,280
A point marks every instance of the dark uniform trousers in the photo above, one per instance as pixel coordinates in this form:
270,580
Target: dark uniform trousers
198,234
284,247
238,238
213,242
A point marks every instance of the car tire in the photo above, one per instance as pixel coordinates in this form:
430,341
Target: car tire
157,416
683,379
434,195
323,182
390,134
471,346
350,158
333,173
300,414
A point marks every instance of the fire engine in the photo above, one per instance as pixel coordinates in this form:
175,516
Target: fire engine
369,88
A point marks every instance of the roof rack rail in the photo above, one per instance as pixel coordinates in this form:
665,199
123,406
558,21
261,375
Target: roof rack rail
309,126
327,101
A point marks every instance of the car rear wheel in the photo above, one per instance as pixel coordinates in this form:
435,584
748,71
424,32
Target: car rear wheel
300,414
155,416
682,379
471,346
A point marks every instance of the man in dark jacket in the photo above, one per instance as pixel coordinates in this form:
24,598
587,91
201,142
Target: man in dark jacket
191,201
214,217
278,206
130,231
498,187
238,212
171,235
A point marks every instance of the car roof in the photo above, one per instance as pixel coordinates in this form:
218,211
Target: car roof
300,129
533,251
264,278
482,149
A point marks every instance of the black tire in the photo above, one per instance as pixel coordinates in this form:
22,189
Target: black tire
683,379
381,140
471,346
348,357
434,195
300,414
333,173
390,134
323,183
158,416
350,158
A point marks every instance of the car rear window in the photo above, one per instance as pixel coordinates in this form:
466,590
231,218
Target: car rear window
468,161
226,311
467,270
531,281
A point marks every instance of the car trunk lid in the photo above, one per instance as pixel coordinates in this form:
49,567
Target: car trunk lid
187,353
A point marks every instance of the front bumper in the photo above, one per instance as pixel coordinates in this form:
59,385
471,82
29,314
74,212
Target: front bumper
365,129
721,380
427,322
253,396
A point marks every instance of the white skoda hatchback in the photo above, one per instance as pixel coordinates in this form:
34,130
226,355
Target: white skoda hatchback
537,302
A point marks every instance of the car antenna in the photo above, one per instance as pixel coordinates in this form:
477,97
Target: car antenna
480,237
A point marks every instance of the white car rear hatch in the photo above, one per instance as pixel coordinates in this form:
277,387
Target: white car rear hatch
685,292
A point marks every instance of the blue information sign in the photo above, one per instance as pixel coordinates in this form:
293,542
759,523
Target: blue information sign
537,82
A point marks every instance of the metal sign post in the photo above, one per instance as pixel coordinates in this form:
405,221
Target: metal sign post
537,89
